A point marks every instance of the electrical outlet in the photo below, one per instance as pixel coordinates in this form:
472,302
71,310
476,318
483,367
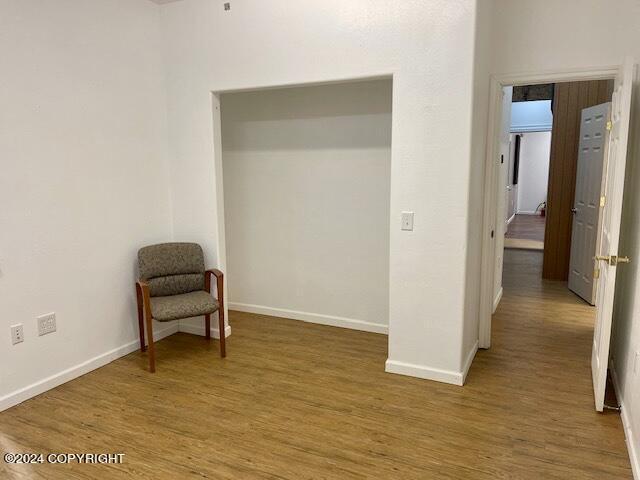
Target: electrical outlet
17,334
46,323
407,221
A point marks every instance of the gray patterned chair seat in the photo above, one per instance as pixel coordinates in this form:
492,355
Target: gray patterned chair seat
192,304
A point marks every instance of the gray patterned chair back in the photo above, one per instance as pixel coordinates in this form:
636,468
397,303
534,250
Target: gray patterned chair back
172,268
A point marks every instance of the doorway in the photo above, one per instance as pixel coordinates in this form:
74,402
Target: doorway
553,170
527,175
611,213
540,144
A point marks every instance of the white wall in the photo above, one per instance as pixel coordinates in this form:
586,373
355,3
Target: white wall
626,327
531,37
482,64
533,172
532,116
306,197
84,180
428,47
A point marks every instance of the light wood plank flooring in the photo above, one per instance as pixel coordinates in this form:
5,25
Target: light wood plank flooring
527,227
299,401
525,232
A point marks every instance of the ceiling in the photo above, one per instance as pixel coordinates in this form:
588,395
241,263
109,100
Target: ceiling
161,2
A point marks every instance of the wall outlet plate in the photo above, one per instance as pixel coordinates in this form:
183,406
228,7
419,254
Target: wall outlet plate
17,334
46,323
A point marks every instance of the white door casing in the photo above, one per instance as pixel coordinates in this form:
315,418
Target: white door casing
499,220
610,232
512,190
585,238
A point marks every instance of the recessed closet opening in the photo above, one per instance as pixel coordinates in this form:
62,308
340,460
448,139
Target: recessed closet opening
306,180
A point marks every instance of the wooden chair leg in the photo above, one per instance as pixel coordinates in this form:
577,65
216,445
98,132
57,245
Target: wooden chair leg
143,291
223,352
149,320
220,287
152,350
140,317
207,326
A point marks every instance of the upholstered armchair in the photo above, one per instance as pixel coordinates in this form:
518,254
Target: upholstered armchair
173,284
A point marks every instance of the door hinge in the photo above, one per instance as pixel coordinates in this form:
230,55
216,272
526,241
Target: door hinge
602,200
609,125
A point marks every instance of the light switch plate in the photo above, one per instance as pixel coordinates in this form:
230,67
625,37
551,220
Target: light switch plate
407,221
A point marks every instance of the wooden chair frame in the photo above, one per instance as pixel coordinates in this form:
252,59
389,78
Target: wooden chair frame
144,314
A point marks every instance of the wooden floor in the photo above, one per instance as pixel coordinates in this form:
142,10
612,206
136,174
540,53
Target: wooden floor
526,227
299,401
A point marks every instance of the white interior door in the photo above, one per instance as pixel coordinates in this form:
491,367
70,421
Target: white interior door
611,216
592,150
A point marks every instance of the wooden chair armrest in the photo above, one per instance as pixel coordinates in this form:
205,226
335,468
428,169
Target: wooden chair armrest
143,286
144,297
216,272
219,280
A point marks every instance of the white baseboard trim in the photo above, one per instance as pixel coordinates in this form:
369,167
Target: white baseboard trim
468,361
496,301
30,391
311,317
625,416
199,330
439,375
421,371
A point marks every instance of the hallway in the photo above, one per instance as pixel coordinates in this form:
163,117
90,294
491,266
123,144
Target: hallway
541,350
